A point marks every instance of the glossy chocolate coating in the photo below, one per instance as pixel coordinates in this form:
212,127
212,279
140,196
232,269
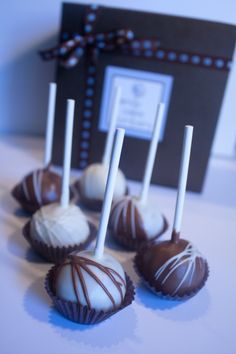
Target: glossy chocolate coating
38,188
173,268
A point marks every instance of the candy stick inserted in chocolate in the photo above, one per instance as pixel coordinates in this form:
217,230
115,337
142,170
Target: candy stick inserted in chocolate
41,186
92,183
62,224
116,97
65,191
93,278
110,185
152,153
175,268
133,220
183,176
50,123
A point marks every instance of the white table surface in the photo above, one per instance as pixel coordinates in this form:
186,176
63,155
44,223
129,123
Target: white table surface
204,324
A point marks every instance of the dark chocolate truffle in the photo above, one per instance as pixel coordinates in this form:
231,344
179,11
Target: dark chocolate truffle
38,188
132,224
174,268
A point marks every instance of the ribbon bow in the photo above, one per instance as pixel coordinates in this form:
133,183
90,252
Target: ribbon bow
70,51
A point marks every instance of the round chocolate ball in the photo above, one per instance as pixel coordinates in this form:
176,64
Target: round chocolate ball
172,269
99,284
92,185
38,188
132,224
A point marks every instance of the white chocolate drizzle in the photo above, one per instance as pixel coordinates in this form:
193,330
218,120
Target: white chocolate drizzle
189,255
25,189
36,179
36,185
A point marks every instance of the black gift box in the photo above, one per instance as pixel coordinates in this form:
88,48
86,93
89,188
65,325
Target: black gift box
195,53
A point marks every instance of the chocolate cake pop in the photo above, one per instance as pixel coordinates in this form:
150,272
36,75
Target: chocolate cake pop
60,226
90,286
38,188
133,223
42,186
91,186
174,268
133,220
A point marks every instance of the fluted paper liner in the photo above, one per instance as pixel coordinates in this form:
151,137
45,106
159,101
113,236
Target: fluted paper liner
82,314
56,254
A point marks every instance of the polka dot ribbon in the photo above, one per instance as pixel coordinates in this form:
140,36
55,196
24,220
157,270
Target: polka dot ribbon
74,46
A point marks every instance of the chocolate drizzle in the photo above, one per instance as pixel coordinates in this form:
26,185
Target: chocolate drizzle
125,219
126,224
79,263
82,314
174,269
38,188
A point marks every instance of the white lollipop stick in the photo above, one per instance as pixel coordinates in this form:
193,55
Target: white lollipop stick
110,185
50,123
113,111
65,190
183,175
152,152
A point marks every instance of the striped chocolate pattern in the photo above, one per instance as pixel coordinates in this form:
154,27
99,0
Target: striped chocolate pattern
125,219
188,256
38,188
77,265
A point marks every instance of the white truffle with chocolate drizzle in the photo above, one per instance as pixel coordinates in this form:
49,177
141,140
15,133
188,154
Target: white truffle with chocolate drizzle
97,284
132,220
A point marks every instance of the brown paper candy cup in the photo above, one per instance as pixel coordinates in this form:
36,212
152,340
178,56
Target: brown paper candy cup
134,244
188,295
82,314
56,254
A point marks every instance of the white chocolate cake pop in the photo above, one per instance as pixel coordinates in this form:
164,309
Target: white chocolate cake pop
62,224
92,183
57,226
93,280
134,221
97,284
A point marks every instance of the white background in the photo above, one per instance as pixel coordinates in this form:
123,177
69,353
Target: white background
27,26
